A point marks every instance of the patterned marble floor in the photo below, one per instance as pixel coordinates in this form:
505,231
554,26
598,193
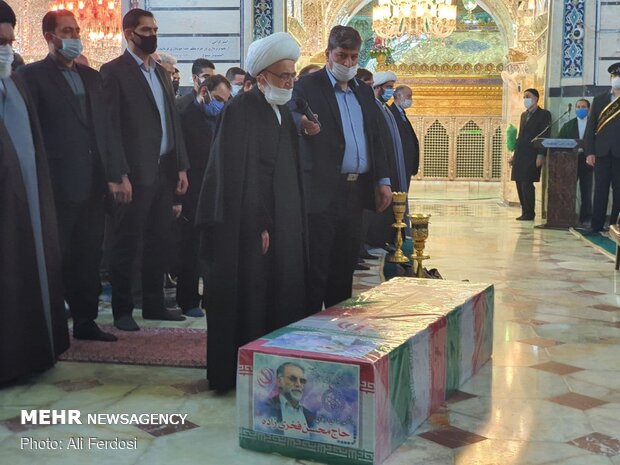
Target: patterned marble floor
550,395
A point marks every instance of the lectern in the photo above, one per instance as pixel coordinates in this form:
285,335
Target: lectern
561,181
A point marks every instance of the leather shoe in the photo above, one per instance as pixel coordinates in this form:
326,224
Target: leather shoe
89,331
163,314
126,323
525,218
361,267
195,312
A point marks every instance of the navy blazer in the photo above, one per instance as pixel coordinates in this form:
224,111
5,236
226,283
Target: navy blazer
135,121
322,154
607,142
76,143
409,139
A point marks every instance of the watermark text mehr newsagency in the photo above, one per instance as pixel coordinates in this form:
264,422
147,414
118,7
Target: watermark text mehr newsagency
75,417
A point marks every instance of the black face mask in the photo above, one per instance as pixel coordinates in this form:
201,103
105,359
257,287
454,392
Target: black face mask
148,44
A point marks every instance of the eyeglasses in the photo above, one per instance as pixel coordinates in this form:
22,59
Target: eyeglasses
287,77
294,379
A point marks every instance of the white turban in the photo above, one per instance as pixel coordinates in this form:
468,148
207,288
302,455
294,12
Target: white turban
383,77
265,52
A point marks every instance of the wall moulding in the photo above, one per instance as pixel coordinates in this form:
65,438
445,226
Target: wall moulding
445,69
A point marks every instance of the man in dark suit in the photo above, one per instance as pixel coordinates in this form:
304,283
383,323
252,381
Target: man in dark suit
411,148
527,159
576,129
286,407
603,151
198,135
344,166
201,70
149,139
71,106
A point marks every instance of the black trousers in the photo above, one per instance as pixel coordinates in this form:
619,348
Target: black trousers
527,197
334,238
585,174
606,174
147,217
187,268
80,227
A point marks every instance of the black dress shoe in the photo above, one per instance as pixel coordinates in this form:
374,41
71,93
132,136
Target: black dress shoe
91,332
126,323
525,218
163,315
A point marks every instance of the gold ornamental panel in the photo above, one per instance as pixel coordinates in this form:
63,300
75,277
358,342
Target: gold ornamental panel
468,148
432,99
436,151
444,69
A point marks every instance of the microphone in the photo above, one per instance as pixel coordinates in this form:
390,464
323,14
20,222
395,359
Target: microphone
302,107
570,106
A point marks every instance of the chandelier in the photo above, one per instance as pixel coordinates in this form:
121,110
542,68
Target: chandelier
100,22
416,18
470,6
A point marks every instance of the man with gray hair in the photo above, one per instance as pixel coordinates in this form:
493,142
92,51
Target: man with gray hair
411,148
166,60
169,63
285,406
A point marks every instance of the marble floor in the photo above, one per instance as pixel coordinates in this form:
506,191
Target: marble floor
550,395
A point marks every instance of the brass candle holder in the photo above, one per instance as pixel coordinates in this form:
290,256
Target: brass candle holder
419,234
399,205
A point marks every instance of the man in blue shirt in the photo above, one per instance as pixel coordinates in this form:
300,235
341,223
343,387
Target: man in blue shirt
345,167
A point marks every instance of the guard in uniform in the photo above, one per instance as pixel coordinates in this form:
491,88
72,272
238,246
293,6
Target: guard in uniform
602,145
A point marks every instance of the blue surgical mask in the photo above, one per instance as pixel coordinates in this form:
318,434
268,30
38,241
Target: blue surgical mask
71,48
581,113
213,108
387,94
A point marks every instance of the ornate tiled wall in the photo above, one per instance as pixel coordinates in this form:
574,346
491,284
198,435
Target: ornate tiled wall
263,18
572,50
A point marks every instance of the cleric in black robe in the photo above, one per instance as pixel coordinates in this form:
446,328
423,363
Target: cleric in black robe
33,325
251,209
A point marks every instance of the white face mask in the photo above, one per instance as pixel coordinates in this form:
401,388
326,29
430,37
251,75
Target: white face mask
343,73
615,82
406,103
6,59
277,96
528,102
235,89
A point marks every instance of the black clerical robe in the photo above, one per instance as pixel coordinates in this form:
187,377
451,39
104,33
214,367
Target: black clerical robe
253,183
25,343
